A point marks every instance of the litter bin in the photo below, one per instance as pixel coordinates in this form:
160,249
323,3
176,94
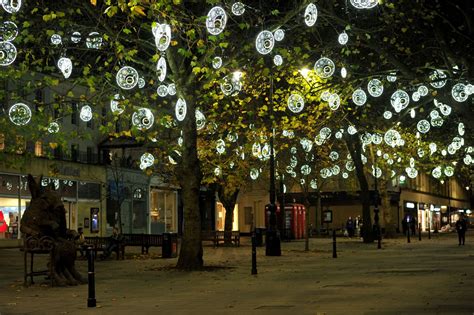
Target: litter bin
259,236
170,245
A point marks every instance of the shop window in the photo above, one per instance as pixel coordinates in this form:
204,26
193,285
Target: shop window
38,148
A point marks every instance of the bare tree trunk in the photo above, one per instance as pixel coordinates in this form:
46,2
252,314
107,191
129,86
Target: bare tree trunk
189,174
354,146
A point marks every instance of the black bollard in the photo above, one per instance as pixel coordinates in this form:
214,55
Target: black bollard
334,253
91,302
419,231
429,231
254,253
379,238
408,234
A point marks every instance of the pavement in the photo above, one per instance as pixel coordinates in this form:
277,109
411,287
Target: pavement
431,276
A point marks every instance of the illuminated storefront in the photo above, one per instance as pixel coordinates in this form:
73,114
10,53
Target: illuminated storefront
220,217
163,210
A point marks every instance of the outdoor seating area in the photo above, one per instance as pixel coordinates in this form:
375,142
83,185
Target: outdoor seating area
219,237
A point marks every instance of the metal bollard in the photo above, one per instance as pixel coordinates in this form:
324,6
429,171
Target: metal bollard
254,253
334,253
91,302
419,231
429,231
408,234
379,238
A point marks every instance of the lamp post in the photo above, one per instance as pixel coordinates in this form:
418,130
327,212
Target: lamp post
376,209
272,242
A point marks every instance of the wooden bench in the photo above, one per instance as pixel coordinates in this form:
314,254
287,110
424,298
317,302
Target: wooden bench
145,241
35,246
217,237
99,244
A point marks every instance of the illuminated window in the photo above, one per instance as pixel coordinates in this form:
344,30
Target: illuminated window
38,148
2,142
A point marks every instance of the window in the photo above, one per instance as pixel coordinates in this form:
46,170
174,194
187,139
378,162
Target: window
38,148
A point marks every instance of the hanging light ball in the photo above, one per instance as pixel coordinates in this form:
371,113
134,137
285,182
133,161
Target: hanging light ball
334,101
279,35
162,34
162,90
278,60
53,127
181,109
343,72
324,67
343,38
76,37
437,79
94,41
200,119
375,87
11,6
85,113
56,39
146,160
115,105
8,31
217,62
265,42
127,78
423,126
359,97
295,103
459,92
143,118
399,100
19,114
311,14
8,53
387,114
216,20
238,8
65,65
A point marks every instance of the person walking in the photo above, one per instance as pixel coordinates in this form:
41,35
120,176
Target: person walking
350,227
461,227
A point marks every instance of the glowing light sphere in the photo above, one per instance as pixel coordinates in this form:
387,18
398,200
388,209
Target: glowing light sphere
351,130
85,113
94,41
436,172
437,122
314,184
53,127
469,89
387,114
459,92
220,146
423,126
216,20
127,78
437,79
161,69
434,114
335,170
171,89
343,72
162,90
289,134
324,67
449,171
392,77
334,156
392,137
279,35
115,105
141,83
65,65
376,172
8,31
415,96
230,85
377,138
338,135
265,153
217,62
445,109
162,34
254,173
278,60
468,159
200,119
366,138
350,166
325,133
181,109
19,114
232,137
76,37
11,6
306,144
143,118
325,173
411,172
457,143
433,147
217,171
325,95
147,160
265,42
364,4
334,101
359,97
375,87
56,39
305,169
238,8
461,129
421,152
311,14
399,100
7,53
451,149
423,90
295,103
343,38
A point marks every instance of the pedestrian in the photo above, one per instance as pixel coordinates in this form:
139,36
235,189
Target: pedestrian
461,227
113,244
350,227
80,241
413,226
405,222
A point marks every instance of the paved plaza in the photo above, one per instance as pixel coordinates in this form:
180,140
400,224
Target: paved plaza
423,277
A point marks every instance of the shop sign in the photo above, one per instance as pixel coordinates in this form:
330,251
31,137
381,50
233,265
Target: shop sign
409,205
327,216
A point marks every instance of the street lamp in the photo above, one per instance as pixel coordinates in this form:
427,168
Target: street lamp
272,241
376,208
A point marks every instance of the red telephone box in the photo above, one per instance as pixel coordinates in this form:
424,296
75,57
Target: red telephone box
294,219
